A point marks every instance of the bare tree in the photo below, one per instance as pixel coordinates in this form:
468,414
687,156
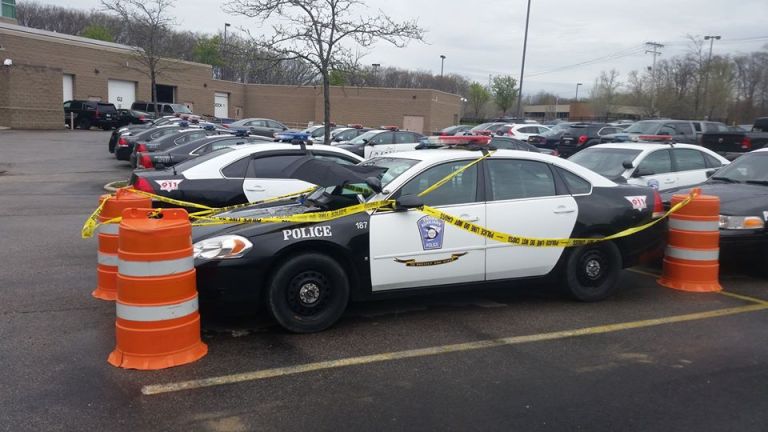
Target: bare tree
149,23
315,31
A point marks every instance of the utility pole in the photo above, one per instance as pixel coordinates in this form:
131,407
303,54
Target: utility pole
522,66
655,47
711,39
442,64
376,67
577,91
224,50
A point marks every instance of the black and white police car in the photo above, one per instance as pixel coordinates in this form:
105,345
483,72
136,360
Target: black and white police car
306,273
235,175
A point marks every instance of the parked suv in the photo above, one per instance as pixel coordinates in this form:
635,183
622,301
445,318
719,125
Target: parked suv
162,108
90,113
681,131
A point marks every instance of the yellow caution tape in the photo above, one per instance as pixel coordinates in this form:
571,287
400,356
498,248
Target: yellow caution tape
448,178
542,242
90,225
300,218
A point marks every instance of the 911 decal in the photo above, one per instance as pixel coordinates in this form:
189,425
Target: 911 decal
431,231
169,185
638,202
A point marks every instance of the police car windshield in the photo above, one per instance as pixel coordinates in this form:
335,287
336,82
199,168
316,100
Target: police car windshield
395,167
605,161
362,139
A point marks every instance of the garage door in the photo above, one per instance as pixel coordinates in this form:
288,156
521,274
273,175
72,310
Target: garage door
221,105
122,93
68,87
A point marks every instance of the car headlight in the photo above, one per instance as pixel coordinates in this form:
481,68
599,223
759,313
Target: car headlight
741,222
222,247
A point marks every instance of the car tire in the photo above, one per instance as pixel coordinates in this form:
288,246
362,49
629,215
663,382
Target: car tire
84,124
308,293
592,271
106,128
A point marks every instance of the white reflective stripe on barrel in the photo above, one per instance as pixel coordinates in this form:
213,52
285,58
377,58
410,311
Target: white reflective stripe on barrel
111,228
107,259
693,254
155,268
156,313
686,225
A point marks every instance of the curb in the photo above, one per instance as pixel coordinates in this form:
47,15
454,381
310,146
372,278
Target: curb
115,185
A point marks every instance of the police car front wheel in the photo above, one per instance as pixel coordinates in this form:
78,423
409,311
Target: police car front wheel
592,271
308,293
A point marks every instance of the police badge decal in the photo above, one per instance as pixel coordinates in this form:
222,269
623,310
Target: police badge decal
431,231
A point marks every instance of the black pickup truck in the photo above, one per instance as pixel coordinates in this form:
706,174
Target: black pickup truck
734,144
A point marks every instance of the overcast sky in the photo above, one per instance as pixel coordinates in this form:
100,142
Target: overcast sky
485,37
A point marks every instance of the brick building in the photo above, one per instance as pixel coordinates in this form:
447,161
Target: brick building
48,68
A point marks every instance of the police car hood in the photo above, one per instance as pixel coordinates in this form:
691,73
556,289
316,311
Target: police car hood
736,199
252,229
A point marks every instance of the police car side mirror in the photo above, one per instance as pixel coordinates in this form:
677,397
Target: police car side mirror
406,202
374,183
711,172
627,164
640,173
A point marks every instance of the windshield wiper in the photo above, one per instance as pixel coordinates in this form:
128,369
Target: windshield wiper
725,179
760,182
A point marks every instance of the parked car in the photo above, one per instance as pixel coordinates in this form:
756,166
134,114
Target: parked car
126,143
521,130
579,136
742,188
163,108
733,144
182,136
132,117
660,166
258,126
486,128
180,153
239,175
136,128
452,130
87,114
307,273
681,131
509,143
378,142
344,135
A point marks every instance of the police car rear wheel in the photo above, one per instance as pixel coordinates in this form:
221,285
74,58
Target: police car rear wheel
592,271
308,293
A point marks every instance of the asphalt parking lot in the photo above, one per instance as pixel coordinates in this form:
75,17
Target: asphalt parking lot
649,358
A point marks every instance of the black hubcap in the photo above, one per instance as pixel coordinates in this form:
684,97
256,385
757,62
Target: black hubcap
593,268
309,293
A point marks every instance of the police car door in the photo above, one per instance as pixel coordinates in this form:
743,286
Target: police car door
411,249
265,177
525,199
380,145
655,170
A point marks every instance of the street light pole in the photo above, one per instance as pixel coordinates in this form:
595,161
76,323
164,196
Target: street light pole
442,64
577,91
522,66
375,67
711,39
224,48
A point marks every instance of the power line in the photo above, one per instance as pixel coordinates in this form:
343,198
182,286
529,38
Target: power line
626,52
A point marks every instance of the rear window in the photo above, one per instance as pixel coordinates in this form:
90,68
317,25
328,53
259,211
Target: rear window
605,161
189,163
107,108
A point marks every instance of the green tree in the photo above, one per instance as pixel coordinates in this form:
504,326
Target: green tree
208,51
337,78
98,32
504,89
477,97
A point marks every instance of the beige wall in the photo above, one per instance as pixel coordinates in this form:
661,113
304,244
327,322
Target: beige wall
93,63
26,101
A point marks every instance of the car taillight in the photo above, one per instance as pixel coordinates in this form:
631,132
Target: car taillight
746,143
141,148
555,153
511,132
143,185
122,142
145,161
225,125
583,139
141,118
658,206
97,114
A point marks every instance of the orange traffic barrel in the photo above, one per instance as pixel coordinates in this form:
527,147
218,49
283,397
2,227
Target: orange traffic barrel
158,324
106,269
691,259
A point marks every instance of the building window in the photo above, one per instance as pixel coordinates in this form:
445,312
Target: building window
8,8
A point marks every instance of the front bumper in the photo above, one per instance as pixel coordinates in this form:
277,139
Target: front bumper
237,280
743,244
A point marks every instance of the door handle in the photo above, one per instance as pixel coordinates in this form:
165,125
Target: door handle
669,180
563,210
255,188
468,218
